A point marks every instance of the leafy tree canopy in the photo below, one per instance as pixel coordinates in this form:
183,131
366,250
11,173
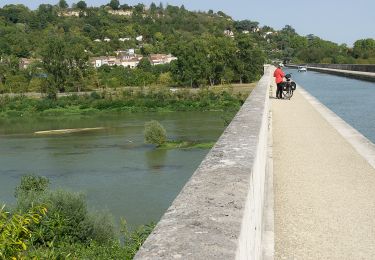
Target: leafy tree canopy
63,4
114,4
81,5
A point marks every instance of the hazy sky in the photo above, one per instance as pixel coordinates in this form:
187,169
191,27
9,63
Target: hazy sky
341,21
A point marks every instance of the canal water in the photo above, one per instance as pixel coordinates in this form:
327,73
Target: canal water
112,166
351,99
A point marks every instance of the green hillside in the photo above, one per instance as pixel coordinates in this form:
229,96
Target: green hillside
53,48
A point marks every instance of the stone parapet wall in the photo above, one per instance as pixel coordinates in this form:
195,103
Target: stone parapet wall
368,76
219,212
352,67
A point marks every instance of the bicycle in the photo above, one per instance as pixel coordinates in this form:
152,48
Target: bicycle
289,87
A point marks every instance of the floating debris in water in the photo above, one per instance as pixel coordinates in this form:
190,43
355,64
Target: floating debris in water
67,131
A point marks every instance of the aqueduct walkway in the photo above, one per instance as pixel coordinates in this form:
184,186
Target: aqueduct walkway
324,189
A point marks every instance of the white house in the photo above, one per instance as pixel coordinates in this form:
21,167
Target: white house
25,63
126,54
130,63
71,13
122,59
124,39
266,34
106,39
121,12
97,40
105,60
229,33
139,38
158,59
169,58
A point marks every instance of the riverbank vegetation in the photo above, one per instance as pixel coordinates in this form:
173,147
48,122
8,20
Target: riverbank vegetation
128,100
56,224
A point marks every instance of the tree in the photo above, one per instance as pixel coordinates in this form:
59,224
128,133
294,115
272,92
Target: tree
138,15
45,14
125,7
153,8
145,65
364,48
15,13
79,69
245,25
165,79
222,14
288,29
221,53
9,68
63,4
192,67
81,5
17,83
250,60
55,64
114,4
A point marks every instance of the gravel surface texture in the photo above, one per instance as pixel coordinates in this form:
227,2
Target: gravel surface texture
324,190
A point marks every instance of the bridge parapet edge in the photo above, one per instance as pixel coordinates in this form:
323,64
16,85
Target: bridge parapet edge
363,72
351,67
219,212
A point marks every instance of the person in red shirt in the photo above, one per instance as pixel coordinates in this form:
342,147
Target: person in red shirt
279,78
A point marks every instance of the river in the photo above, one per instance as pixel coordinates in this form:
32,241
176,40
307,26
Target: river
351,99
112,166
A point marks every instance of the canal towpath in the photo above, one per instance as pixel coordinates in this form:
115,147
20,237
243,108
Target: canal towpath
324,189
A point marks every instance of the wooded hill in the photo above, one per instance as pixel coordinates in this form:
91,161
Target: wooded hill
211,48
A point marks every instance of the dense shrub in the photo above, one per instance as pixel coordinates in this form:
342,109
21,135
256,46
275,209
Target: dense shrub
114,249
67,219
155,133
95,95
57,225
31,183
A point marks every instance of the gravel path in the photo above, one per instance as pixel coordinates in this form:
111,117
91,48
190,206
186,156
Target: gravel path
324,190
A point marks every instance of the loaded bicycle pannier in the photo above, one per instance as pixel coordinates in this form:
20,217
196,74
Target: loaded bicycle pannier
293,85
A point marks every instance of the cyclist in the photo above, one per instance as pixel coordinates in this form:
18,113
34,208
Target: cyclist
279,76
